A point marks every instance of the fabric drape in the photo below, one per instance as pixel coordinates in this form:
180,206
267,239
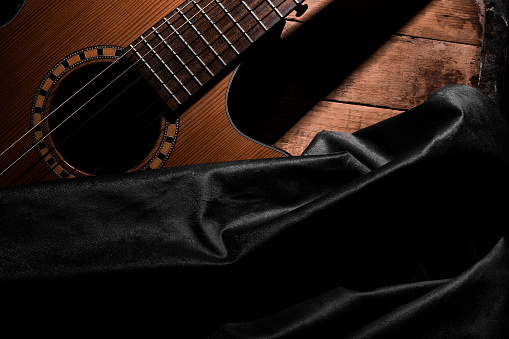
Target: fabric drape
397,230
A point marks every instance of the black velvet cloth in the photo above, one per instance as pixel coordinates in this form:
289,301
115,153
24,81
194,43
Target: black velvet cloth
395,231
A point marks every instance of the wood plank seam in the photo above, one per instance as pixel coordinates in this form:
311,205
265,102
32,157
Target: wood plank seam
436,39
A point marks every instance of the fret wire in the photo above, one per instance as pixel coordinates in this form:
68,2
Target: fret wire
179,59
155,74
285,6
190,48
266,15
275,9
187,20
179,9
184,5
172,73
206,16
235,21
217,29
255,16
148,66
206,42
223,35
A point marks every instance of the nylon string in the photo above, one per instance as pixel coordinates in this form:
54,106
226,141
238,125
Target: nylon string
129,49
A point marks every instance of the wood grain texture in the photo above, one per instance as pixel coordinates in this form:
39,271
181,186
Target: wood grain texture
206,134
41,36
448,20
439,45
331,116
405,70
344,65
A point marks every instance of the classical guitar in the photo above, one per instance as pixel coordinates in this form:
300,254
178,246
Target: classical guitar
94,87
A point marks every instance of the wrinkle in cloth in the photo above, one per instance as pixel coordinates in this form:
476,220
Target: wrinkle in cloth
397,230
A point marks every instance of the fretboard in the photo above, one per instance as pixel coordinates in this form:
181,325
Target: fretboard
186,49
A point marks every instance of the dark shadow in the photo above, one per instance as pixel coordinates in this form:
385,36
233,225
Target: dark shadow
9,9
282,81
494,68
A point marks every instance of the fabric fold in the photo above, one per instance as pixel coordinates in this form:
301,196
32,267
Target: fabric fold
347,238
470,305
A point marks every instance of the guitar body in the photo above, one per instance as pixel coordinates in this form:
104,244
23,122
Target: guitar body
49,42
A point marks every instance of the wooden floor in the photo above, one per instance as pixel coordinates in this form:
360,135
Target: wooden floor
345,65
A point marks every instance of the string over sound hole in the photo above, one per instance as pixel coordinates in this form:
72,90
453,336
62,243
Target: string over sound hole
105,118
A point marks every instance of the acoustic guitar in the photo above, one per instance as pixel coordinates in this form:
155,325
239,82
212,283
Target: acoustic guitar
96,87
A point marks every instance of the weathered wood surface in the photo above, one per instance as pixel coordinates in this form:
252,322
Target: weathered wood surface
342,66
438,45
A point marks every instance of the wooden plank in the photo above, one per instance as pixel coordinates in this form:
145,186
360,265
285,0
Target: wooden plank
449,20
403,72
399,75
438,46
331,116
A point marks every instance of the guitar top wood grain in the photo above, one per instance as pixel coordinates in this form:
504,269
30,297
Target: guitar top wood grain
44,44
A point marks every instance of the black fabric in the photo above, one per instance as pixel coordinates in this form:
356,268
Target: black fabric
397,230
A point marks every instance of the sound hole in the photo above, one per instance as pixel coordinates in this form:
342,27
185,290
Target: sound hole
108,126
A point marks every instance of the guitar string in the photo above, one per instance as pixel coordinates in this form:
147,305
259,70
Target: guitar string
47,116
123,55
35,163
128,49
112,138
141,131
152,48
187,20
125,145
133,138
168,37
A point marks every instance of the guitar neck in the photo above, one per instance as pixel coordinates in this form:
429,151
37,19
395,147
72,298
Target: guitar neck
187,48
